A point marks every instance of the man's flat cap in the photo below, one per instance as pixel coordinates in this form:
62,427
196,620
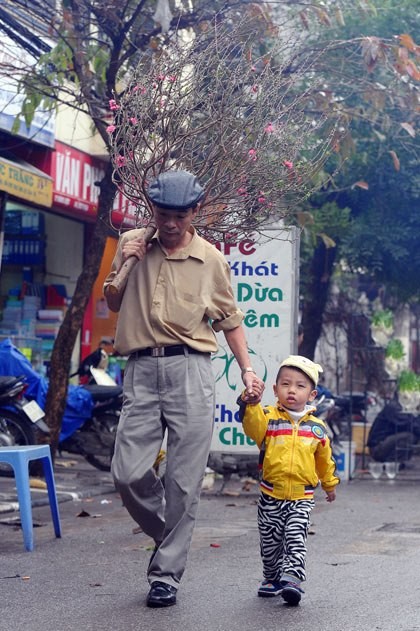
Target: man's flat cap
178,190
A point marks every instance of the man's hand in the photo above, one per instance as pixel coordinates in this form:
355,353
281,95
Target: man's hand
134,247
254,387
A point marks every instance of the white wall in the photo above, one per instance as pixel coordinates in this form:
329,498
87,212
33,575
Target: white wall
64,251
75,128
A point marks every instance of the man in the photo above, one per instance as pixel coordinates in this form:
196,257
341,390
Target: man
177,295
394,434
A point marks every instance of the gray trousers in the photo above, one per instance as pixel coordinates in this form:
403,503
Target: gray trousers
177,394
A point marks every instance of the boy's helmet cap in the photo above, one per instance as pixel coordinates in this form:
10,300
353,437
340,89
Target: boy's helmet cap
177,190
304,364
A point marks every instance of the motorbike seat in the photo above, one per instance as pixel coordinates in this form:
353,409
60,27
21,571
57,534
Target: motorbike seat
7,383
102,393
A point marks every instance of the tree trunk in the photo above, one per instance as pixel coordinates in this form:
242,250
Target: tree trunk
71,325
317,286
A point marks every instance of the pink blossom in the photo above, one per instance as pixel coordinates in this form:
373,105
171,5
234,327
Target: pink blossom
133,120
172,78
261,200
254,88
252,154
110,129
269,128
288,164
241,191
113,105
161,77
140,88
120,161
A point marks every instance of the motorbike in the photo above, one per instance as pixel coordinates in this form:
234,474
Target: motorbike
326,411
349,408
19,418
90,419
95,438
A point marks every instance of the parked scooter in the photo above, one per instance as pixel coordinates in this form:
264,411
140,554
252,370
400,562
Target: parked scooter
19,418
349,408
91,415
326,411
95,439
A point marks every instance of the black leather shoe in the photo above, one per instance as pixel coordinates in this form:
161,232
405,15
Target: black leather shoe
161,595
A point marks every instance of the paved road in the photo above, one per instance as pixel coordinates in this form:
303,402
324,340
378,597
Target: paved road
363,567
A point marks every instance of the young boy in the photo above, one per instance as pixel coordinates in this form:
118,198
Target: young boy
296,455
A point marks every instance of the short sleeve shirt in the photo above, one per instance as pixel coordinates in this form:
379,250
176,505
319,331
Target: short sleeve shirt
179,298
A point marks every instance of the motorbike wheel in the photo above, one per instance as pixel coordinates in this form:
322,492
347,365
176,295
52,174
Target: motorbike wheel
14,430
105,429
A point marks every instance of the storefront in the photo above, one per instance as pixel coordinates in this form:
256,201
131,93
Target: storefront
76,192
42,254
47,214
48,202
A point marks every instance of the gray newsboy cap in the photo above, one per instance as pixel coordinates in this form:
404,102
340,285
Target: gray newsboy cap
179,190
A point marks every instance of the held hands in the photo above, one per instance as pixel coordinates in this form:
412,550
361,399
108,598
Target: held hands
254,388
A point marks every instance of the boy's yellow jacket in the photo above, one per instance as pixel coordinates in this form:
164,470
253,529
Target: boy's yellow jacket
296,455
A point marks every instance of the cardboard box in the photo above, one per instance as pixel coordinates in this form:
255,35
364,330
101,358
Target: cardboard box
360,433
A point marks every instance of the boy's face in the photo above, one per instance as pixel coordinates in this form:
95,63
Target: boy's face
294,389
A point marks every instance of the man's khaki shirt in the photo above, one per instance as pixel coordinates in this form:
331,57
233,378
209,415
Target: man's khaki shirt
179,298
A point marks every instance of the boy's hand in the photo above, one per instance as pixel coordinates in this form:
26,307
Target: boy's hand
330,496
250,398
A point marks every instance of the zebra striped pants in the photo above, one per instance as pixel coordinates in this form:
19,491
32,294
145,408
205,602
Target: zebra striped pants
283,526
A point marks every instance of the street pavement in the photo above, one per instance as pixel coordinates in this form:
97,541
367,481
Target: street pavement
363,561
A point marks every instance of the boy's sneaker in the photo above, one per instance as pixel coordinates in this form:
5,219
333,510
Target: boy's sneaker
291,593
267,589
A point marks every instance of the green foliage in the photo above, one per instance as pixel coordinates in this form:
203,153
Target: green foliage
329,222
383,318
395,349
375,174
408,381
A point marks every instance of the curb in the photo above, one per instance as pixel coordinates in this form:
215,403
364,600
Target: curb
9,502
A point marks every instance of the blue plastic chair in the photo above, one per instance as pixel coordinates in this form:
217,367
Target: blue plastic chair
18,457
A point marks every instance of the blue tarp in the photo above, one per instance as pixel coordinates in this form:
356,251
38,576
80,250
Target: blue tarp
79,401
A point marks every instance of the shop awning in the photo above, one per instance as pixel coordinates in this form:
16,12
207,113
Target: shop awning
24,181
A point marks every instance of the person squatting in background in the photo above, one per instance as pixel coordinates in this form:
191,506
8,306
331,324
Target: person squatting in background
177,296
295,454
394,434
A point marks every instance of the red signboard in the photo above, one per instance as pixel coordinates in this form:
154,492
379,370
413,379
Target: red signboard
75,175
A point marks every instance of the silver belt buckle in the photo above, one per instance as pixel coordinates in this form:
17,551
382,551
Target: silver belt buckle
158,351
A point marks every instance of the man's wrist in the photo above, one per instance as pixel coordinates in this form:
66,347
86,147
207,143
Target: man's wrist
247,369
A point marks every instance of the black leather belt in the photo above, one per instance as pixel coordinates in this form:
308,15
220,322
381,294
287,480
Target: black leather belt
165,351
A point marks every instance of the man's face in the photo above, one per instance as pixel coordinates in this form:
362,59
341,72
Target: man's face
173,225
